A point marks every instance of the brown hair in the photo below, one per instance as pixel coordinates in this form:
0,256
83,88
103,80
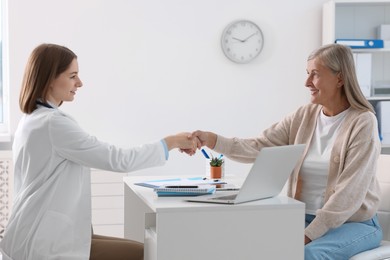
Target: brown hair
46,63
339,59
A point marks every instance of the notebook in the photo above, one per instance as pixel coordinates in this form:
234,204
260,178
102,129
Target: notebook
182,191
179,181
266,177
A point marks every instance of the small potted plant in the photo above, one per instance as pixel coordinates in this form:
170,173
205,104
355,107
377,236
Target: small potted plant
216,167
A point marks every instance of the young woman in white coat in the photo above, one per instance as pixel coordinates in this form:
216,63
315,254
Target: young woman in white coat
51,216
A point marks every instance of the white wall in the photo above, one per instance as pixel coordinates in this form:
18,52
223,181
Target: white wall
152,68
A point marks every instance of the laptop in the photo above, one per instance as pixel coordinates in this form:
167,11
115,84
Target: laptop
266,178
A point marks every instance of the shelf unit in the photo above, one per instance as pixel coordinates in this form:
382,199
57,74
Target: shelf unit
359,19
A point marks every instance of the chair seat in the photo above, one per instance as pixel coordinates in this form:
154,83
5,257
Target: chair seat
380,253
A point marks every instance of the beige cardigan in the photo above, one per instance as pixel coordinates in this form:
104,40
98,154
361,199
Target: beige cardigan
352,192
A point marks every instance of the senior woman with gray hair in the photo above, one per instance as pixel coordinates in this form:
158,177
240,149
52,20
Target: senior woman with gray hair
336,177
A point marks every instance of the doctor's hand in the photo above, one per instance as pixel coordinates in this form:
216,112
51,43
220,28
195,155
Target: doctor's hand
184,142
208,139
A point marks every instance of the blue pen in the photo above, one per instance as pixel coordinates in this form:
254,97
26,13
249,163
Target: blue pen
220,156
205,154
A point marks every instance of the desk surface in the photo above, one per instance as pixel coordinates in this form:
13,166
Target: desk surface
161,204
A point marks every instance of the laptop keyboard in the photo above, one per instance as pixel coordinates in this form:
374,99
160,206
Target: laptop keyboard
228,197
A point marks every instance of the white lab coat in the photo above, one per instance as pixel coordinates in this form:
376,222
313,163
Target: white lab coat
51,216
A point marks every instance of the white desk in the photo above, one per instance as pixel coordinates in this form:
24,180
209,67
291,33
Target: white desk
173,229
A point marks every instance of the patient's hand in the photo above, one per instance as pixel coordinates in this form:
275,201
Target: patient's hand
197,143
184,141
208,139
307,240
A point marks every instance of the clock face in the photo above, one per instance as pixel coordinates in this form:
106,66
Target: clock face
242,41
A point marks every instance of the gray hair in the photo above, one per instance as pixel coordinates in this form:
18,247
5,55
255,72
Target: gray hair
339,59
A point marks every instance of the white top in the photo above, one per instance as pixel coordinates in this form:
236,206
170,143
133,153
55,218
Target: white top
51,217
314,171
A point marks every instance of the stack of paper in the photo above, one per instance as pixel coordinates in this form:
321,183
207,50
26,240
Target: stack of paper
185,190
179,181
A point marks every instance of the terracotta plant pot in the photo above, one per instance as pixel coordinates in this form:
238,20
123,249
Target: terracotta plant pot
215,172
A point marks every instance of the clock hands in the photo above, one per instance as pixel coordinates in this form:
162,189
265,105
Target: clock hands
247,38
238,39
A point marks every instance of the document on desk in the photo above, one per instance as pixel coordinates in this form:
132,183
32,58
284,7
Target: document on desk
180,182
185,190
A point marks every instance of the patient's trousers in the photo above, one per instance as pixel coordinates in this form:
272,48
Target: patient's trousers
345,241
112,248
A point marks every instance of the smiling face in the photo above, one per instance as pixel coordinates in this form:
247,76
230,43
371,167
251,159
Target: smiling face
64,87
325,87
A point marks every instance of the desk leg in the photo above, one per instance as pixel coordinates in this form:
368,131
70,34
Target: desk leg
134,220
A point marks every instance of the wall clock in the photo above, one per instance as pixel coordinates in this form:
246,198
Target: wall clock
242,41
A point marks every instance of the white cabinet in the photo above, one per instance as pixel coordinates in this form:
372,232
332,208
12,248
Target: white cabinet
345,19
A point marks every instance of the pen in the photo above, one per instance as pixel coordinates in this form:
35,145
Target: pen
220,156
205,154
182,186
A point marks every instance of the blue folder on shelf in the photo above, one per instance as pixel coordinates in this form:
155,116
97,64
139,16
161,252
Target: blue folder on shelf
361,43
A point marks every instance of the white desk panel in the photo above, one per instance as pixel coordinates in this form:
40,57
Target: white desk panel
172,228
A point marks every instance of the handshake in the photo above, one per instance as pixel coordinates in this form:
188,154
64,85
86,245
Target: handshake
189,142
